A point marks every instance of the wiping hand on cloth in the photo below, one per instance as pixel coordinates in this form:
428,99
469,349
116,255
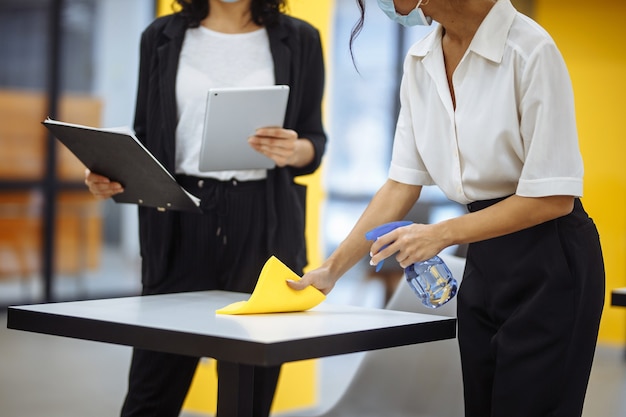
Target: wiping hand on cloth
272,295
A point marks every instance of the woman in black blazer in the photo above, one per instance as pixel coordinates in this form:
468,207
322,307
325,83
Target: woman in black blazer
247,215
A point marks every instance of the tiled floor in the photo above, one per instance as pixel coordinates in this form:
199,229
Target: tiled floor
52,376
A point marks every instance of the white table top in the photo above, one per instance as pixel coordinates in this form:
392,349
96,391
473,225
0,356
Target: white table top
186,323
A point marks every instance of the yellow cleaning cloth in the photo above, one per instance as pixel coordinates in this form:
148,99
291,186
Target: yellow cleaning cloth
273,295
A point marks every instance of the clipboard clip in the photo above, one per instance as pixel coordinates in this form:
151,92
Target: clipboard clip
161,209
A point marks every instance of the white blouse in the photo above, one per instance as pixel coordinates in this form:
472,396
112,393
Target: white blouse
513,130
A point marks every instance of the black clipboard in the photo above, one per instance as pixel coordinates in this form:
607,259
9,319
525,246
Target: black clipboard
120,156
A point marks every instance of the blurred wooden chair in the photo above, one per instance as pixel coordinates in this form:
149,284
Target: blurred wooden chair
22,160
19,234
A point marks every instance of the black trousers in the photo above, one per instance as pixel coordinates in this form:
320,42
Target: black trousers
529,310
159,382
222,249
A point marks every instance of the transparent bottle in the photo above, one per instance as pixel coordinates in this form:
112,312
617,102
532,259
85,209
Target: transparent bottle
432,281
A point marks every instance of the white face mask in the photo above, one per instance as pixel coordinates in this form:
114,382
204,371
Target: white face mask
229,1
415,18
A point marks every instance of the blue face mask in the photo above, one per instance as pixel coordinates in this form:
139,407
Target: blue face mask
415,18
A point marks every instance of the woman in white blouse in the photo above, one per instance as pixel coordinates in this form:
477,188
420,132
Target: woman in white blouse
488,116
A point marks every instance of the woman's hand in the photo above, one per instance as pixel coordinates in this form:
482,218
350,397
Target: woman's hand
102,187
412,243
320,278
283,146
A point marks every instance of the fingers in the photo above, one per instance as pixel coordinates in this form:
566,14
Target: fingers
297,285
397,241
410,244
276,143
276,133
383,247
403,259
276,138
318,278
100,186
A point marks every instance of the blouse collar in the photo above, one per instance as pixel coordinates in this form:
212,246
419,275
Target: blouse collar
489,40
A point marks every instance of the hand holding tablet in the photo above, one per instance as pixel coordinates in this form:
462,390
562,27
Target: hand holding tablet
232,116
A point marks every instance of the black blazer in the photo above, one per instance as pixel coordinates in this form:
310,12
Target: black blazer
298,62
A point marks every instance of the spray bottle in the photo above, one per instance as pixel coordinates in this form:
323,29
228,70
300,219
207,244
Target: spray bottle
431,279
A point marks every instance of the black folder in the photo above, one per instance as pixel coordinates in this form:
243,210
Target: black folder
120,156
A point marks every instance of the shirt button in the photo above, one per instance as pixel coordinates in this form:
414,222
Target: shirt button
200,183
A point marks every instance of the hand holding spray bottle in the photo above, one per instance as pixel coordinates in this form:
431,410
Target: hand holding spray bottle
431,280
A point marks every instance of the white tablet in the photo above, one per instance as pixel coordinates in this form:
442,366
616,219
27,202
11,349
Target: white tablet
232,116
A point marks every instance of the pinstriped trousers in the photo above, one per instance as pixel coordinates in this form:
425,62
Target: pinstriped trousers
222,249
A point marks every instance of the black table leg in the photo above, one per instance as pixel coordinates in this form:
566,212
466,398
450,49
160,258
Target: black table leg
235,390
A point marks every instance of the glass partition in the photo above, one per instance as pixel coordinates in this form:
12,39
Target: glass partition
79,60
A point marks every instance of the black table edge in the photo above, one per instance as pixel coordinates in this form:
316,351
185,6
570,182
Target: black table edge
255,353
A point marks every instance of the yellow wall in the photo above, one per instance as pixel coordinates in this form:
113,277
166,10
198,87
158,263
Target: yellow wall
591,37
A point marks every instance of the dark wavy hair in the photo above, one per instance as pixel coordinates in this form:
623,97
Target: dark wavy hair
357,28
264,12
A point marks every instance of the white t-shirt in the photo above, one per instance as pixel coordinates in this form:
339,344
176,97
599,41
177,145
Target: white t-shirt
513,130
213,59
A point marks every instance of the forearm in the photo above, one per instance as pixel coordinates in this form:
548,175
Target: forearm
392,202
510,215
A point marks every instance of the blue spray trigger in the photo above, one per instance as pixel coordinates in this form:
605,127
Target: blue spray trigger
383,229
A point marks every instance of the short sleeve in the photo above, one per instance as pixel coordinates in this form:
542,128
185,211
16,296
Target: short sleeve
553,164
407,166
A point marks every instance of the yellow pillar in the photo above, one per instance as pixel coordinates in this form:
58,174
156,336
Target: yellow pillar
319,14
